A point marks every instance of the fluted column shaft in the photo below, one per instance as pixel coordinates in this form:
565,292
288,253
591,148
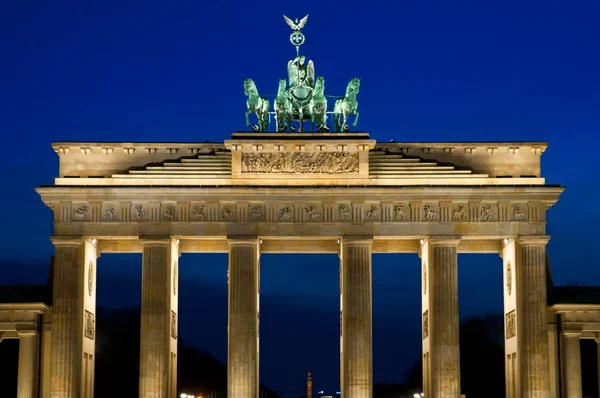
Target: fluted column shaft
535,367
445,343
357,356
572,365
66,315
156,359
28,366
243,286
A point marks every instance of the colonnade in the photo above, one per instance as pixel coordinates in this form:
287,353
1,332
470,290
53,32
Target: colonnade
73,334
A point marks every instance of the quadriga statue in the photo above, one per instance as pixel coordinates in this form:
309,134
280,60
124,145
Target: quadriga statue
346,106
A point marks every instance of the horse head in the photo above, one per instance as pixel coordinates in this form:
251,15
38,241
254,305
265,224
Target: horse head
353,86
282,85
250,87
319,86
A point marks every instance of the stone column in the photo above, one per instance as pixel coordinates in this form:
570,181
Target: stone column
158,334
243,318
533,323
28,365
356,307
444,343
73,318
571,365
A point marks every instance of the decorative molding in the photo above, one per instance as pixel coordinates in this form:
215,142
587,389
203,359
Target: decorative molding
257,212
169,213
401,213
344,212
197,213
139,213
430,213
511,325
518,212
90,278
286,213
300,163
227,213
425,324
109,214
508,277
81,213
89,326
460,212
313,214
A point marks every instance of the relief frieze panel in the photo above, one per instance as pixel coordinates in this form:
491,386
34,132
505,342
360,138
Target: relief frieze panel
300,163
324,212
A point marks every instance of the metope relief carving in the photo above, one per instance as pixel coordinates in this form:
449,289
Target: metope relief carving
173,325
139,213
285,214
300,163
508,278
197,213
425,324
487,213
518,213
81,213
109,214
374,213
400,213
511,330
312,213
344,212
257,212
90,278
169,213
89,325
430,213
227,213
460,213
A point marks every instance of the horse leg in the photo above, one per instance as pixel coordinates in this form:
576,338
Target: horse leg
301,115
355,119
247,120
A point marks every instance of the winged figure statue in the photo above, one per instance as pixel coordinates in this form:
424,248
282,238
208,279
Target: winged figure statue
296,25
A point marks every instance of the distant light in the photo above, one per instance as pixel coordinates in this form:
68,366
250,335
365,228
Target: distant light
422,394
260,241
94,241
417,395
338,241
176,241
505,241
320,392
422,241
183,395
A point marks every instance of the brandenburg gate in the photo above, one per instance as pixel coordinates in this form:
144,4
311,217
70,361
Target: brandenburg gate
295,191
287,192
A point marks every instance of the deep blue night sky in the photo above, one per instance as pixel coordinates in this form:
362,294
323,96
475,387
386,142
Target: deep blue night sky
431,71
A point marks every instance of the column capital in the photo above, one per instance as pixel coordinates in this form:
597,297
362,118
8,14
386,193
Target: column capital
242,240
571,334
27,333
356,240
443,240
66,240
533,240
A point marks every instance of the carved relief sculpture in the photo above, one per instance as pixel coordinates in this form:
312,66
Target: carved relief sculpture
312,213
508,278
90,278
373,213
227,213
300,162
285,214
173,324
139,213
89,325
486,213
425,324
110,214
81,213
198,213
400,213
510,325
170,213
344,212
459,213
256,213
518,213
430,213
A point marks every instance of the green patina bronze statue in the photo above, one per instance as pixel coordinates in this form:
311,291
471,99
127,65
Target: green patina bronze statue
256,104
283,107
346,106
319,105
304,98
